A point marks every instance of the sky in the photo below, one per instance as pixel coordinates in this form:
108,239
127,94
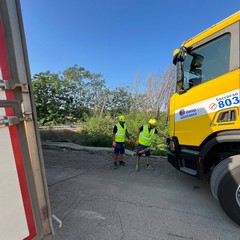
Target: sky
124,40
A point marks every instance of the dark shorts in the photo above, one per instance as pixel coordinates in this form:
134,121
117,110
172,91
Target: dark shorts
119,149
141,148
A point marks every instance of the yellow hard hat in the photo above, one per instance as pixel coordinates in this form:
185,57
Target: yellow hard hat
121,119
152,121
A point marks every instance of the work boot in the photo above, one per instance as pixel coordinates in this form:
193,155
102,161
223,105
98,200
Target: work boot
115,165
149,167
122,163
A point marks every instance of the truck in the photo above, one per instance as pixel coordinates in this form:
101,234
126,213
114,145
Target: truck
24,200
204,111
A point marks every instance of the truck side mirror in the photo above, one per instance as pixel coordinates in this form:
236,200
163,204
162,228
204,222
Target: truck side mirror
179,74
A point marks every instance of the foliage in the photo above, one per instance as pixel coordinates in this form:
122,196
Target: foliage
83,137
78,96
120,100
75,94
98,124
97,131
96,139
50,98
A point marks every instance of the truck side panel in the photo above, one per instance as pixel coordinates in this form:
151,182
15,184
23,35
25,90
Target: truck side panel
195,111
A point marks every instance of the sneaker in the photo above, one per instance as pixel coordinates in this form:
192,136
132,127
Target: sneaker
149,167
115,165
122,163
137,168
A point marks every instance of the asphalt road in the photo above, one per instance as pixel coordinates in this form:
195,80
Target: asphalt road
96,202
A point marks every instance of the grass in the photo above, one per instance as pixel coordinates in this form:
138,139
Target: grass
86,138
76,135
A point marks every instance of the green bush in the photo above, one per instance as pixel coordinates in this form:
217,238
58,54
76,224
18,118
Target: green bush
96,139
97,131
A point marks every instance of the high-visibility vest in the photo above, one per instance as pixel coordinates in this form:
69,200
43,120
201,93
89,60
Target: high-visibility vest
145,137
121,133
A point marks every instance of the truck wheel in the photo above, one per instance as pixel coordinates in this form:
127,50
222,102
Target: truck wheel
217,174
225,186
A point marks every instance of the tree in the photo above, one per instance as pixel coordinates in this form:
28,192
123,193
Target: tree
97,93
47,90
77,93
120,101
152,95
167,89
76,76
158,92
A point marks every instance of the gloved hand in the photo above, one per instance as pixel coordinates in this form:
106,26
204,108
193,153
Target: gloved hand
137,142
114,144
129,141
167,140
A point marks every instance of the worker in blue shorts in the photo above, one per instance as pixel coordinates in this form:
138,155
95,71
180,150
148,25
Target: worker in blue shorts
120,132
143,141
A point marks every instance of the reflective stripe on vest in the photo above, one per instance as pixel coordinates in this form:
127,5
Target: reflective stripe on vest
145,136
121,133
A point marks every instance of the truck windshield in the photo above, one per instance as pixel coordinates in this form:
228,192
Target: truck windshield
207,62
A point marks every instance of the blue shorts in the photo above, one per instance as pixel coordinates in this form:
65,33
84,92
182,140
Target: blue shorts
141,148
119,149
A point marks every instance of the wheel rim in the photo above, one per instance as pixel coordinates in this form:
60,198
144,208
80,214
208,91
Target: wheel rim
238,195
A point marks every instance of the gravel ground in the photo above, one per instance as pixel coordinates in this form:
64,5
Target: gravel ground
94,201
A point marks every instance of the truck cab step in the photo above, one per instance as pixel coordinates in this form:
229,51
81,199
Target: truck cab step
188,170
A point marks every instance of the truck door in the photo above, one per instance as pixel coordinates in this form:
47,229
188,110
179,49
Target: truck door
24,203
211,87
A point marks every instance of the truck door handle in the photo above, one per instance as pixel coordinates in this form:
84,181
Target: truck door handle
8,121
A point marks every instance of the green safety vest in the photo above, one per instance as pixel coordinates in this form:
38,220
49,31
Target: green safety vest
145,136
121,133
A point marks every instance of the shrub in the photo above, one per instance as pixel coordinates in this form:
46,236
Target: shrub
97,131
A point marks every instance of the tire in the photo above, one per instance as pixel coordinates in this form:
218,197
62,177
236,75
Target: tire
217,174
225,186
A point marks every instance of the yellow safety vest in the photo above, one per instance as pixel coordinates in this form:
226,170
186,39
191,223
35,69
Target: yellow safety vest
145,136
121,133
